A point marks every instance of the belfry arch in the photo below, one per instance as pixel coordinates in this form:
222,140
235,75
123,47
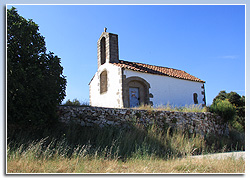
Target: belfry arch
103,50
107,48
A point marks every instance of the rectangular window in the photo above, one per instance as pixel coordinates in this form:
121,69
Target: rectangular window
195,96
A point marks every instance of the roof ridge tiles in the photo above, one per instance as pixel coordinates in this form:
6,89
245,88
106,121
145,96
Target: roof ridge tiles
160,70
153,65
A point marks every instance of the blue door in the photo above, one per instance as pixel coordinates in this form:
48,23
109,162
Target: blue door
134,97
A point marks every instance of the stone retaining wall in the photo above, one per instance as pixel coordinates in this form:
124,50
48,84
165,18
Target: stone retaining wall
193,122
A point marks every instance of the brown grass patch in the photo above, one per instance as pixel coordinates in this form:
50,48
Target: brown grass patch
186,165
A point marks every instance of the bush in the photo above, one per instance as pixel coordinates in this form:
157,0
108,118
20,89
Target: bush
75,102
239,103
224,109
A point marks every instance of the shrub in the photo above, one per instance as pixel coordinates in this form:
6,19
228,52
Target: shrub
75,102
239,103
224,109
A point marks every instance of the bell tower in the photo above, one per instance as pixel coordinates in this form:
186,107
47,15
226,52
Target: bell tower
107,48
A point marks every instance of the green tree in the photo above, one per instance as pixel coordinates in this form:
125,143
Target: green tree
35,84
75,102
224,109
233,97
222,96
238,102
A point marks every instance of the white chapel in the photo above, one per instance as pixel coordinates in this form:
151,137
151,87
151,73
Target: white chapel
123,84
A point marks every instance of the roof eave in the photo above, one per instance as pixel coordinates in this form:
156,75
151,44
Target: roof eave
200,81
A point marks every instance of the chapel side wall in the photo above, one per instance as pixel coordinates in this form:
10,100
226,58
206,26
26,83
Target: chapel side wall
170,90
113,96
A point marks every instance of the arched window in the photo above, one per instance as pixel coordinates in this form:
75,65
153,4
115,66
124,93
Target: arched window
103,50
195,96
103,82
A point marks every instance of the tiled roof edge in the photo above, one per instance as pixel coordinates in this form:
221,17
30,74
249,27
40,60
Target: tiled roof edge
157,72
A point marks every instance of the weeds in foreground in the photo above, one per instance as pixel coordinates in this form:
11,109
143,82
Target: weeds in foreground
107,143
75,149
55,158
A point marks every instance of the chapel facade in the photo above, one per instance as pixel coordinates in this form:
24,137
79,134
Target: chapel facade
123,84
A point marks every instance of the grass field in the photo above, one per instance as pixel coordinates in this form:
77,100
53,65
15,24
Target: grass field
101,165
76,149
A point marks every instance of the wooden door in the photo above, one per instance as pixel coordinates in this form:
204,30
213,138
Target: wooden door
134,97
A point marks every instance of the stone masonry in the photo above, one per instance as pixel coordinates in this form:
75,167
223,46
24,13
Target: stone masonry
193,122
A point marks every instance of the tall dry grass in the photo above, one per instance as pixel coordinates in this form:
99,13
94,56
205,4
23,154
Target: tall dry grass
110,143
168,107
76,149
150,165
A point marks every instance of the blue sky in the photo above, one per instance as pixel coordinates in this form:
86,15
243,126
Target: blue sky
207,41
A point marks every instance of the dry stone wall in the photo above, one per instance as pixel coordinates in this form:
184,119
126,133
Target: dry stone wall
193,122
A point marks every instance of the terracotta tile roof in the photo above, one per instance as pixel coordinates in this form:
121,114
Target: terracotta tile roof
146,68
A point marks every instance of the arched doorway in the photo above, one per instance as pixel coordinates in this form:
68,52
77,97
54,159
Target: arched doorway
135,91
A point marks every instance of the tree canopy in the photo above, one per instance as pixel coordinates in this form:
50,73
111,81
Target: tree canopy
35,83
232,97
238,102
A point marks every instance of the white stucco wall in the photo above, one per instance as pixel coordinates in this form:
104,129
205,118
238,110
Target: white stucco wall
113,96
170,90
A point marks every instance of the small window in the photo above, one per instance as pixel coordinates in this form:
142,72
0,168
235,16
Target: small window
103,50
195,96
103,82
